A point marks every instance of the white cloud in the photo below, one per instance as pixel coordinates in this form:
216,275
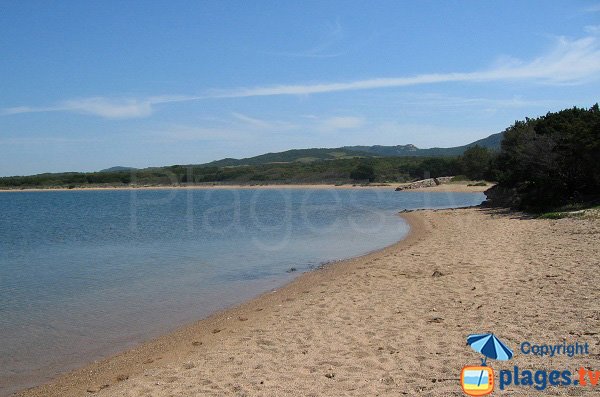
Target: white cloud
340,123
441,101
185,133
421,135
241,128
265,125
569,62
593,29
109,108
29,141
113,110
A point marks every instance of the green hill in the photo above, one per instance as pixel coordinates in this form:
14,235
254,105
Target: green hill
491,142
317,154
118,169
301,155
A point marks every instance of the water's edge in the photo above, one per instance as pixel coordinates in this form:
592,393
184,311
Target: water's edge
127,346
102,369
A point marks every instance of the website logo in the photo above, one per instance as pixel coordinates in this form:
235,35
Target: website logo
479,380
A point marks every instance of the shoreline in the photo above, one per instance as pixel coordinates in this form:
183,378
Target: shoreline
199,187
170,347
390,322
446,187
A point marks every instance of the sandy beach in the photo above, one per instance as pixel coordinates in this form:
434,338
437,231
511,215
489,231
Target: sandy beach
446,187
393,322
205,187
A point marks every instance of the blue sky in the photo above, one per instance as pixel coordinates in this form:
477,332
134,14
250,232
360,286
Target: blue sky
88,85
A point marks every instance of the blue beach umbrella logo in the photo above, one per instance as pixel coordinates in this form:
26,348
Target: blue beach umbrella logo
490,346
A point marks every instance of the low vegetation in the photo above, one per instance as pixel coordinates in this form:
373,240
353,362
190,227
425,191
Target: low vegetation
351,170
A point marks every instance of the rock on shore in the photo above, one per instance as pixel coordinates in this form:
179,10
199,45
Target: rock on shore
429,182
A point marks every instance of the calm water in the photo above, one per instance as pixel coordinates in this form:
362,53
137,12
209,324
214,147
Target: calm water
84,274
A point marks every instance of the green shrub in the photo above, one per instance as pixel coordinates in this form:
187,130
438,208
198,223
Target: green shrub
476,162
552,160
553,215
363,172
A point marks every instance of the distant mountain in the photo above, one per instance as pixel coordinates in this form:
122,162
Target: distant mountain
118,169
491,142
346,152
315,154
387,151
300,155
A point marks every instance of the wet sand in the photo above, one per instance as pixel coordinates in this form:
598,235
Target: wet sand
392,322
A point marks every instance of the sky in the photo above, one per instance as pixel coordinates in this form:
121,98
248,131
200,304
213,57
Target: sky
86,85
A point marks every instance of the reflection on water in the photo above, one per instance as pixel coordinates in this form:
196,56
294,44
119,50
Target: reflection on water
87,273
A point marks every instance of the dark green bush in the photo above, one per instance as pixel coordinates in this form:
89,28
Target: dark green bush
363,172
552,160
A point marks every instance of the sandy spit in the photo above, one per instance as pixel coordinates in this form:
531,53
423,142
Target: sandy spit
393,322
205,187
450,187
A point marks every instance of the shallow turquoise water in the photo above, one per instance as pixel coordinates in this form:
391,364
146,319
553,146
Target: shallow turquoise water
84,274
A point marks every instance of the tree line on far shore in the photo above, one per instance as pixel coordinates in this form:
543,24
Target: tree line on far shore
544,162
349,170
